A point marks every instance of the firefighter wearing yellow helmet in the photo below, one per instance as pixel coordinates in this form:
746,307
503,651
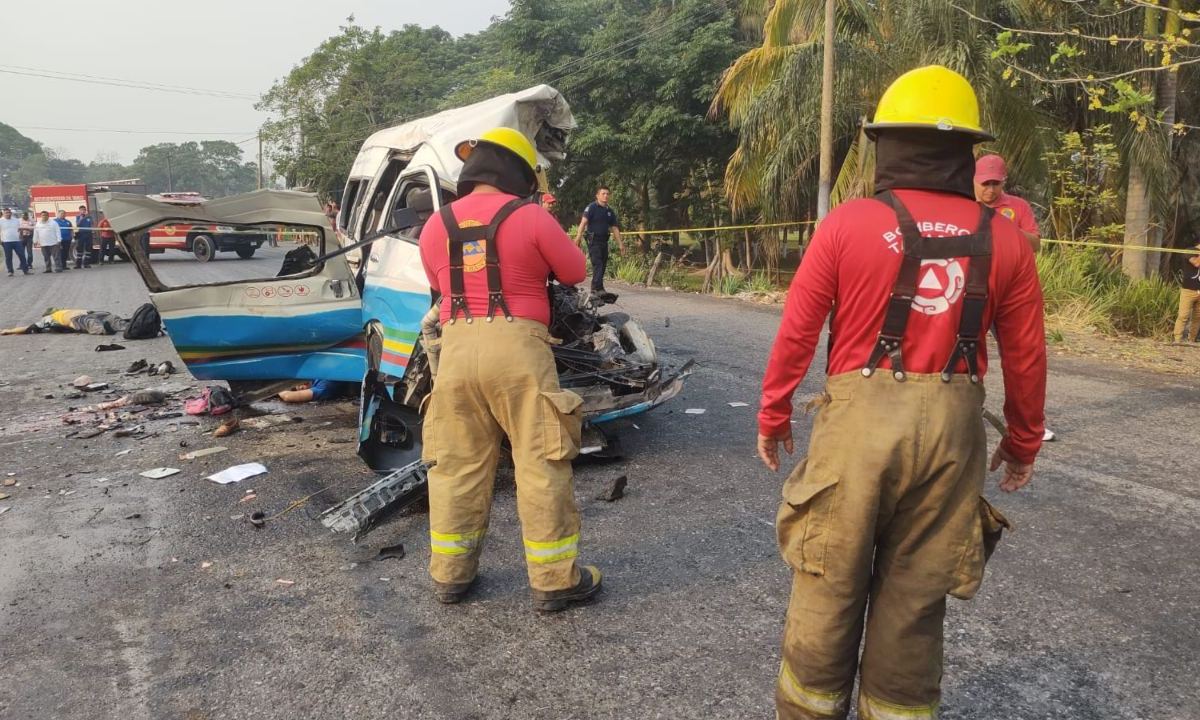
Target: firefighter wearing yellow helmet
885,517
489,255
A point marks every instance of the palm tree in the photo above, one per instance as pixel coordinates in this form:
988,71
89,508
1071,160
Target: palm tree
771,94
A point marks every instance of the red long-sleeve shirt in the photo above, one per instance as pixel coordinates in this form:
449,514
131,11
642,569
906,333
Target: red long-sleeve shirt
853,260
531,245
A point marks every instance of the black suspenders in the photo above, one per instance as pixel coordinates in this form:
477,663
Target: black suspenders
978,247
460,236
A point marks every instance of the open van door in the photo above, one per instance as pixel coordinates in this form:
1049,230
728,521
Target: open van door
287,313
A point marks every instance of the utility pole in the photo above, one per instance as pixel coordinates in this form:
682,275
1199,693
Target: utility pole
825,187
170,177
260,159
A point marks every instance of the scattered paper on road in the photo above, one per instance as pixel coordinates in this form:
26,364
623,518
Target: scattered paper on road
694,411
159,472
237,473
205,565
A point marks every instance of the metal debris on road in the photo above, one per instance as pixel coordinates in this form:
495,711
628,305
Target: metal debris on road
159,472
237,473
694,411
615,490
738,404
359,512
391,552
195,454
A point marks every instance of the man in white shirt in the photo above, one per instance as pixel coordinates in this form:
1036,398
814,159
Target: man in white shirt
10,236
46,235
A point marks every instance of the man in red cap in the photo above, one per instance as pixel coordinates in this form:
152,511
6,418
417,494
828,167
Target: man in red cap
990,175
549,202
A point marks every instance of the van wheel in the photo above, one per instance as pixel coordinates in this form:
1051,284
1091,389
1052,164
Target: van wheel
203,248
245,253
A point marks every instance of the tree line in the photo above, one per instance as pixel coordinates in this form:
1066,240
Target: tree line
214,168
705,112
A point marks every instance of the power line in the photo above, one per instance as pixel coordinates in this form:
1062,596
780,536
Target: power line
133,132
117,82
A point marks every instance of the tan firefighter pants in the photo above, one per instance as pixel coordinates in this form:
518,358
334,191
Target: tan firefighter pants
496,379
879,523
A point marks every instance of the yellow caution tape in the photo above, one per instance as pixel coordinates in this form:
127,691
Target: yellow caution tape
1118,246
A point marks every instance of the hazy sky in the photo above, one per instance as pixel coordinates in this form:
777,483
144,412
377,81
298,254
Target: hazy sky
219,45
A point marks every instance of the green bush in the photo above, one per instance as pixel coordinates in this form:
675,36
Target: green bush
731,285
631,268
760,282
1086,287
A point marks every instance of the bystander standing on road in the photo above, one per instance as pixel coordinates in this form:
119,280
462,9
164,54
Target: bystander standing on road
10,235
47,235
83,238
27,238
991,175
66,231
597,222
549,202
108,240
1189,301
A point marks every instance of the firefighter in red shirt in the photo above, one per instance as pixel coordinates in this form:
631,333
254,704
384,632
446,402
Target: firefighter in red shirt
489,254
888,504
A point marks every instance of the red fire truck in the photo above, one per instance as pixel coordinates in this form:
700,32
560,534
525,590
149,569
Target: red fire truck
68,198
203,241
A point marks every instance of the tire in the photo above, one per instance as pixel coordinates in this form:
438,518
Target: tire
203,248
245,253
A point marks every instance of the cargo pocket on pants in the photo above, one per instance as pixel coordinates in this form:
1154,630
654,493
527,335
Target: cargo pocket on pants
806,518
429,434
562,424
989,527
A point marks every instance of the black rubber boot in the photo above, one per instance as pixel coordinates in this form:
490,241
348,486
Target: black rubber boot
556,600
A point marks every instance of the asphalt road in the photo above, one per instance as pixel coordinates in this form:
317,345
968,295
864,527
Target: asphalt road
109,608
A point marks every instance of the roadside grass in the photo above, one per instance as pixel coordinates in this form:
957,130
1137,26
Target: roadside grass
1085,288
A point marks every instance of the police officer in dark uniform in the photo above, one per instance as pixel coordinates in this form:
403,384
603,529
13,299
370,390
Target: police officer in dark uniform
597,222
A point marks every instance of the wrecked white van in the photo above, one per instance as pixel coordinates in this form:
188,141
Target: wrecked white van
348,302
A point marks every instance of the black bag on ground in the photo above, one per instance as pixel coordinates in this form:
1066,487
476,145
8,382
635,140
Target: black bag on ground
144,324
